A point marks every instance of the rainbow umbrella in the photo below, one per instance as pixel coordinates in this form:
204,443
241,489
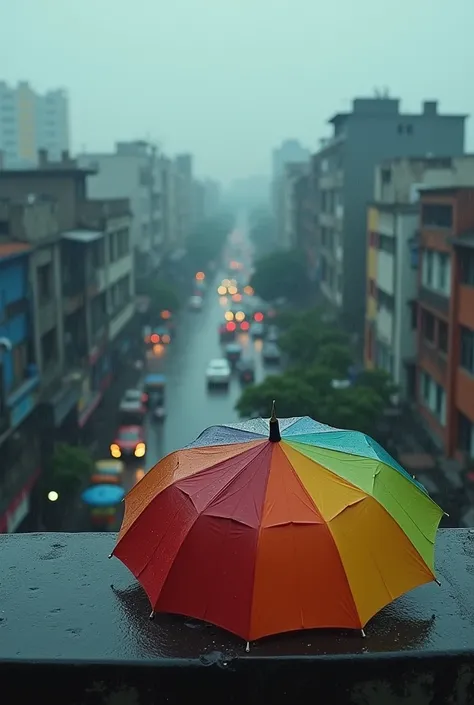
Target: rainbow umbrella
264,527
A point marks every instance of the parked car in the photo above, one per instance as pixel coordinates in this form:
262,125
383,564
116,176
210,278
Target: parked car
195,303
129,443
218,373
246,370
134,395
271,352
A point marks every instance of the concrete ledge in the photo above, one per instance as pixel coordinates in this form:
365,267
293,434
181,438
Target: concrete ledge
67,637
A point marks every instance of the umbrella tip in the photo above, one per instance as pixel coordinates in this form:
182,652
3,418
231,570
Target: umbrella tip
274,436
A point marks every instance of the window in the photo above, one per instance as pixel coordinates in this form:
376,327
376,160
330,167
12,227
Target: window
409,129
425,387
45,282
444,273
387,244
428,326
443,337
414,315
400,129
427,268
466,262
372,288
384,300
374,241
467,349
20,362
386,176
49,349
433,396
465,435
437,216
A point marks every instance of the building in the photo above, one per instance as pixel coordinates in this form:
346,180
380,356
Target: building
172,220
30,122
291,152
185,196
20,465
374,130
81,275
132,172
293,182
445,324
392,260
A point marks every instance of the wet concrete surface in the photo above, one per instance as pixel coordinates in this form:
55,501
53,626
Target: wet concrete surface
56,602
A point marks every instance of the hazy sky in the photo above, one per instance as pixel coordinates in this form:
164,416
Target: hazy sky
229,79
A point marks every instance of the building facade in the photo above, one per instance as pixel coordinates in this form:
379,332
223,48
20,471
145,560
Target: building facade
20,466
291,152
445,325
374,130
30,122
392,260
133,172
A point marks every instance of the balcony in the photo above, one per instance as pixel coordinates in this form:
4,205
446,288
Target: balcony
120,320
436,359
69,638
95,213
433,300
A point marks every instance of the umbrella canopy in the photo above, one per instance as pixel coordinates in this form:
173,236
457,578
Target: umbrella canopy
263,527
105,495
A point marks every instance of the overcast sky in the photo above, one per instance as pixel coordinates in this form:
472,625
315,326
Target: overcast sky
229,79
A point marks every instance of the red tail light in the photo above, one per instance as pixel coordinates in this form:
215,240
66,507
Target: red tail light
155,338
230,326
258,317
245,325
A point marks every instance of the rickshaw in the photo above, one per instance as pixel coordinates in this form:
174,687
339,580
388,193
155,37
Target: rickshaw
154,386
107,472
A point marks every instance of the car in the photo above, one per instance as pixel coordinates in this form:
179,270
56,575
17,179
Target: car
272,334
227,332
271,352
160,334
246,370
218,373
132,413
129,443
134,395
257,330
233,351
195,303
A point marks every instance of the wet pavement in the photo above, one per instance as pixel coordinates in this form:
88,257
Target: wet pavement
190,405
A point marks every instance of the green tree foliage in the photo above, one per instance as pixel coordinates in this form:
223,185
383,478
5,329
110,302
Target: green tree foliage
70,466
281,275
163,295
262,231
318,354
207,239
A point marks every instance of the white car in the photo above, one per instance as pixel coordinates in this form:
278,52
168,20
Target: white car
195,303
218,373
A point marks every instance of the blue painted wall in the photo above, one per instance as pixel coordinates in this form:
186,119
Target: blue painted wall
13,287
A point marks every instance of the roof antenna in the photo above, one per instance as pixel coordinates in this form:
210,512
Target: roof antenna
274,436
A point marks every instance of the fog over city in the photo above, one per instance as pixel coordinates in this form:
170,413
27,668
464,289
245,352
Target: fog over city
229,79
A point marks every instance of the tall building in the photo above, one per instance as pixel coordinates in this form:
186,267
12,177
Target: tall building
133,171
30,122
374,130
184,167
291,152
445,325
392,260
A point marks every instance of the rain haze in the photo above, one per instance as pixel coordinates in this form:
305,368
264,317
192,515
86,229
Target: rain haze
230,79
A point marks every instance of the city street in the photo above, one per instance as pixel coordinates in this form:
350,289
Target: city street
190,406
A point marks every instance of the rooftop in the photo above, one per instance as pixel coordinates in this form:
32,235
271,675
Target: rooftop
66,632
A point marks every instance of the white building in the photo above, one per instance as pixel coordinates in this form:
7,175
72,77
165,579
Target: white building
392,262
30,122
133,171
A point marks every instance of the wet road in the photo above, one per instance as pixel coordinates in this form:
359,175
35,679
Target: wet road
190,406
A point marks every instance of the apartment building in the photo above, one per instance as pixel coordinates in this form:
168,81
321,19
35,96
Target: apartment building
82,281
375,129
132,172
20,466
445,323
29,122
392,260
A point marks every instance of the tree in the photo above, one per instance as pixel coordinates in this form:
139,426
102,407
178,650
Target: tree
306,340
380,382
262,231
70,466
281,275
207,240
163,296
